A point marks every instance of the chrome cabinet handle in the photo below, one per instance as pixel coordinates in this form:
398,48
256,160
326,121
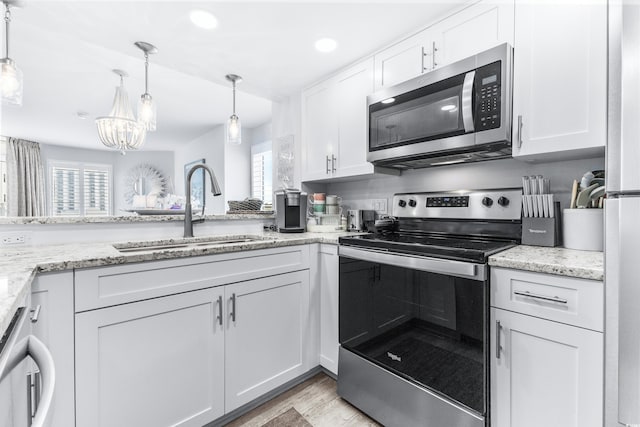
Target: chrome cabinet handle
519,131
498,346
333,163
35,313
328,171
233,307
219,317
423,55
528,294
434,49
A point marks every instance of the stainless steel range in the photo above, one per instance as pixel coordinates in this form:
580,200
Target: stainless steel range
414,308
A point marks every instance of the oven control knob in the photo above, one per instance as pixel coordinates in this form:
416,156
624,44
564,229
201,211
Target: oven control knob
412,203
487,201
402,203
503,201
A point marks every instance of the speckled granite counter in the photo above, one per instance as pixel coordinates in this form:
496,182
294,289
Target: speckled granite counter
18,266
560,261
124,219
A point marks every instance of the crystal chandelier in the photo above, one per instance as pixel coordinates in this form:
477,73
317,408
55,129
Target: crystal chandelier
146,106
120,129
10,74
234,129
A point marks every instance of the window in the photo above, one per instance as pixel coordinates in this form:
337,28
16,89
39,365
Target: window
261,172
79,189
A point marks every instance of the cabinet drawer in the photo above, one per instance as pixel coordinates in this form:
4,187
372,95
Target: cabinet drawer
577,302
107,286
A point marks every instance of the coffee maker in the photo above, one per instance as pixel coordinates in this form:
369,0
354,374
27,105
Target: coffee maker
291,210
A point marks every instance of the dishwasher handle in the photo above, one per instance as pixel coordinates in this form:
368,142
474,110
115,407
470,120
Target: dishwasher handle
33,347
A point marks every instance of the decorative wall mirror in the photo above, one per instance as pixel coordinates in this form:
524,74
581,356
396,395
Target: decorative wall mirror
144,180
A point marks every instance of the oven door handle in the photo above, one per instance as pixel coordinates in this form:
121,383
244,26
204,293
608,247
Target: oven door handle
467,101
431,265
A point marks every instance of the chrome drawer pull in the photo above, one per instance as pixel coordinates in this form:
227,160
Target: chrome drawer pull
233,307
219,317
528,294
498,346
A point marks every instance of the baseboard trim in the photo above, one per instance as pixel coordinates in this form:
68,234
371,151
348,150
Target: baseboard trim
237,413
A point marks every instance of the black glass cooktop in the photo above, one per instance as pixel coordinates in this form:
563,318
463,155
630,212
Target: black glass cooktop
459,248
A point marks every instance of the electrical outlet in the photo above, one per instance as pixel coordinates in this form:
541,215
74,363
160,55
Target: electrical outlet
379,205
15,238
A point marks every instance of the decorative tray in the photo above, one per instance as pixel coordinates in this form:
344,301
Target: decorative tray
249,212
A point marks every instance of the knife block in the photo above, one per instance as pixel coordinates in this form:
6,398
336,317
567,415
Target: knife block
543,231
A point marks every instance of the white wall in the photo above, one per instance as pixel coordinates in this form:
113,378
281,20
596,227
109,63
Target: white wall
286,120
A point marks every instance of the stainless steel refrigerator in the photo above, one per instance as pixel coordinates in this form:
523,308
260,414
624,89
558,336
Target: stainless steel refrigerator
622,213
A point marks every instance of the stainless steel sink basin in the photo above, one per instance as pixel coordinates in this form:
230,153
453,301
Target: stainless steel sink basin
186,243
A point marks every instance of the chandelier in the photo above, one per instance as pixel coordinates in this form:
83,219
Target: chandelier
120,129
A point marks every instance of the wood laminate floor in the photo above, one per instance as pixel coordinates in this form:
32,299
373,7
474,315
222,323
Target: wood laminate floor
315,400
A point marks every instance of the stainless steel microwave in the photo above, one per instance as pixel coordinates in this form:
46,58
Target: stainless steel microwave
458,113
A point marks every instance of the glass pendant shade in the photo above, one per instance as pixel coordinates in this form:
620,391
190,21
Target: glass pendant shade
10,82
147,112
234,130
120,130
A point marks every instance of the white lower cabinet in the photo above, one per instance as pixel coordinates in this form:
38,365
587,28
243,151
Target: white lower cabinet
328,266
158,362
179,356
545,371
265,337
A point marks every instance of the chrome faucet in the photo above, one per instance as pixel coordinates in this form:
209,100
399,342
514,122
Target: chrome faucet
215,190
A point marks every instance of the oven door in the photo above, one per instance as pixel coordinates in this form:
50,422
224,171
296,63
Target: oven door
421,319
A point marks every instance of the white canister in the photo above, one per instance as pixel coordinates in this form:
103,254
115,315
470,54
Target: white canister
583,229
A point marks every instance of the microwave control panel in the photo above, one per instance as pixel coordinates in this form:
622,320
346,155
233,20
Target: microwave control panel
488,102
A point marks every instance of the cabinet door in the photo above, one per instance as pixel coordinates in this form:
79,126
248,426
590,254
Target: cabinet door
320,132
329,307
157,362
479,27
403,60
53,292
265,339
560,80
352,88
547,374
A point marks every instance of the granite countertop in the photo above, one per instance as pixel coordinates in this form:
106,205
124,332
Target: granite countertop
125,218
18,266
560,261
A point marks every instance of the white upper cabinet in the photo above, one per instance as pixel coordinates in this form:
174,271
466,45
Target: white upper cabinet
560,80
334,125
476,28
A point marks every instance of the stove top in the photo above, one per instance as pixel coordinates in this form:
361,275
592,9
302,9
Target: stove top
457,248
459,225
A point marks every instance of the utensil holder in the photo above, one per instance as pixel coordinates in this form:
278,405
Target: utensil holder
543,231
584,229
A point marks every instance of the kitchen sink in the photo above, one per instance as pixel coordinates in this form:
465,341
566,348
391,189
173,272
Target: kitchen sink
186,243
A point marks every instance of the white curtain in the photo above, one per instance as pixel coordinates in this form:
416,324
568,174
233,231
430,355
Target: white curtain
25,178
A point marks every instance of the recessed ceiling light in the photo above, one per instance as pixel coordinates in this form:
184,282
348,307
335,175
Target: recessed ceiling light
82,115
326,45
203,19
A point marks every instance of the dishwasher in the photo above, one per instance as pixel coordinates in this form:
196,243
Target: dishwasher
25,393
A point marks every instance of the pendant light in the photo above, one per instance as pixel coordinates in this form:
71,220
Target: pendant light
120,129
234,129
10,74
146,106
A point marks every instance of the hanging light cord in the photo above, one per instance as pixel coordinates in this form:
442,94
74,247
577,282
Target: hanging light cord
7,21
146,73
234,97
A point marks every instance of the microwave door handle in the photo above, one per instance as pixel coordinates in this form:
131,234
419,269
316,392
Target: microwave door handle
467,101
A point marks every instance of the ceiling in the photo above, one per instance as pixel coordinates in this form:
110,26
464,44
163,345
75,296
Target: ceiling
67,49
